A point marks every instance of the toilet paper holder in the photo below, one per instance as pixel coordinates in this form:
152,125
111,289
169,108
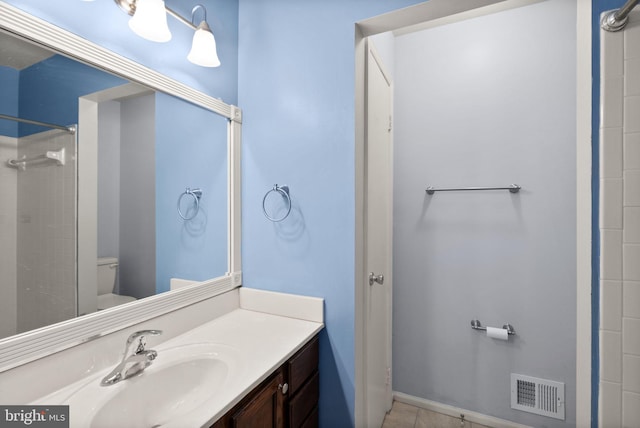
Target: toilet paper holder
475,324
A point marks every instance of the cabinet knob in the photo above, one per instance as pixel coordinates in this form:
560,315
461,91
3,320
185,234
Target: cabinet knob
284,388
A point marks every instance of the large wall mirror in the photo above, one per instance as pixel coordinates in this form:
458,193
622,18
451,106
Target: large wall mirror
119,188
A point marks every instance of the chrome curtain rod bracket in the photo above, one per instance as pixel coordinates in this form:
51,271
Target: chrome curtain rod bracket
616,20
514,188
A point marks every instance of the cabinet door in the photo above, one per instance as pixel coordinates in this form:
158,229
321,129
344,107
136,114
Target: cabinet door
265,409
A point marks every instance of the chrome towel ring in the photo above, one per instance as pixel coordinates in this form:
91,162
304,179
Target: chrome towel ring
196,194
284,192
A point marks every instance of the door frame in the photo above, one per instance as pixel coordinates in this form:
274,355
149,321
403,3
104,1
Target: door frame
439,12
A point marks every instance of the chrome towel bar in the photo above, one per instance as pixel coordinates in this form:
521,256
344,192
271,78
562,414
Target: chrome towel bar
514,188
57,156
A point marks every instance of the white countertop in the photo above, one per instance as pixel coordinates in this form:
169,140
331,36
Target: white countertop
263,342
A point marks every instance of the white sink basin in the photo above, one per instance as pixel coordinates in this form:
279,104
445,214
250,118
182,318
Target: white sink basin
169,392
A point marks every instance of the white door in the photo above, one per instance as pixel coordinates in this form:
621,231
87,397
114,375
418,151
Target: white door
378,239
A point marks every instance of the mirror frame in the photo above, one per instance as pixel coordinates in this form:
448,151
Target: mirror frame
32,345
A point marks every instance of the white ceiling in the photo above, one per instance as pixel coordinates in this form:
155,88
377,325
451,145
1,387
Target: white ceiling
18,54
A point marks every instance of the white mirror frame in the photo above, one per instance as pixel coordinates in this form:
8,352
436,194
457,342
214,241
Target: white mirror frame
23,348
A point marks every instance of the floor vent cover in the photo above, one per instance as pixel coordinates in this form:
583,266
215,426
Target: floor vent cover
539,396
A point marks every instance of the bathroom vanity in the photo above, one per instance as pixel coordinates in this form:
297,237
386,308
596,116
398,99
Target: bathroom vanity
288,398
255,360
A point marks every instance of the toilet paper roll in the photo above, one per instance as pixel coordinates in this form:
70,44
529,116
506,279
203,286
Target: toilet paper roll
497,333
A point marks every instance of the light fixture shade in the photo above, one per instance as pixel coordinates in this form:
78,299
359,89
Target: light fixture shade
150,21
203,48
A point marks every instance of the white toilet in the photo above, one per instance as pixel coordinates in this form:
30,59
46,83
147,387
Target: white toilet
107,268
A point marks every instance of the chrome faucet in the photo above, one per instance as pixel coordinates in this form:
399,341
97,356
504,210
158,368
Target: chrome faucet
133,361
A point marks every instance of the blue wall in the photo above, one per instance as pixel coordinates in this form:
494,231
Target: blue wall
296,89
191,151
102,22
49,91
9,81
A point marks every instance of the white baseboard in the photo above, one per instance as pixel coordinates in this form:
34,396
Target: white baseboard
445,409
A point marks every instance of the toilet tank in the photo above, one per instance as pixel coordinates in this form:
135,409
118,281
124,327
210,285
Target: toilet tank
107,268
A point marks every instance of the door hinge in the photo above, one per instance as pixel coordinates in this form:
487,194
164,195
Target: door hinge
390,123
388,381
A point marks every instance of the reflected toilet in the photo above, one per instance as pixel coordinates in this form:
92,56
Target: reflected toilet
107,268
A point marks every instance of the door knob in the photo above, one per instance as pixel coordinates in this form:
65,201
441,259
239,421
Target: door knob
376,278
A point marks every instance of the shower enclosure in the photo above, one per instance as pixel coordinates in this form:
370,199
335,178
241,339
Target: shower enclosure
38,188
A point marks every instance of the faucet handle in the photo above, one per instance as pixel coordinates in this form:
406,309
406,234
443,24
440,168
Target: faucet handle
139,335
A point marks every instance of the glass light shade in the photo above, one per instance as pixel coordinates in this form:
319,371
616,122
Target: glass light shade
203,48
150,21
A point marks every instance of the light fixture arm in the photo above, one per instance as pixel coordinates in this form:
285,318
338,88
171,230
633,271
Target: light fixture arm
180,18
193,13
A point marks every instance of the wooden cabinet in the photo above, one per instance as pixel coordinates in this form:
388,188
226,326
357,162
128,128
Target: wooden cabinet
302,377
287,399
265,407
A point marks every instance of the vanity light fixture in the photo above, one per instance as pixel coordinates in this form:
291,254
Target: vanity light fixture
149,21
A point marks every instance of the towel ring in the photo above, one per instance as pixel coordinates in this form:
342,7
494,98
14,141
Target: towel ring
284,191
196,194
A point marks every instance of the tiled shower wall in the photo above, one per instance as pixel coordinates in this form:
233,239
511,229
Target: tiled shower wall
46,249
620,227
8,177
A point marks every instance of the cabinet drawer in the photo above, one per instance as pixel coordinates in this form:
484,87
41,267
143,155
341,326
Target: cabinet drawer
301,405
302,365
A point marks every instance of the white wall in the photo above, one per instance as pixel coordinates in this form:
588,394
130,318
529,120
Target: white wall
108,179
8,211
137,270
126,191
385,45
620,227
46,233
486,102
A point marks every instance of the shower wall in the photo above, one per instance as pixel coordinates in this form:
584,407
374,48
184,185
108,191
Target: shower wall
8,275
46,233
489,101
619,395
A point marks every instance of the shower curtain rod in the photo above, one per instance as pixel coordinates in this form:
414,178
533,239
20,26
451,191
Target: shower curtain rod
69,129
616,20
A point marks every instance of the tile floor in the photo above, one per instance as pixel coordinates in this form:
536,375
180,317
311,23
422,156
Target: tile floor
406,416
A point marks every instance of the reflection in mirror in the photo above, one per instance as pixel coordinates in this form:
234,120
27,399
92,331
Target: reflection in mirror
90,219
